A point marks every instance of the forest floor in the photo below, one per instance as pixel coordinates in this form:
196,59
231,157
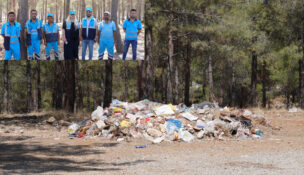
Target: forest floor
30,147
140,49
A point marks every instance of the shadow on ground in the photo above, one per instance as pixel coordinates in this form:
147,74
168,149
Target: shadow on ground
34,158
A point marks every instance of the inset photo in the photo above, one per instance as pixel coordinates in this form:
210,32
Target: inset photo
72,30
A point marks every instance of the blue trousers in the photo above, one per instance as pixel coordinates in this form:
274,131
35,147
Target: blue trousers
49,47
14,51
85,44
34,48
126,48
103,45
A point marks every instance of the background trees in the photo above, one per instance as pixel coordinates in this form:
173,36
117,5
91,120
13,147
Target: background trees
237,53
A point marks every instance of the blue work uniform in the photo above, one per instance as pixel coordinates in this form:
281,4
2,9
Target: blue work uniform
33,39
88,35
51,36
11,40
106,39
131,36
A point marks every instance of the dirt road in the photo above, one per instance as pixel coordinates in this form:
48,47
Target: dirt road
35,148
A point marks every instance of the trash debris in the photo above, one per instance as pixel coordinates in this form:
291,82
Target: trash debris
157,122
293,110
189,116
164,110
73,128
141,146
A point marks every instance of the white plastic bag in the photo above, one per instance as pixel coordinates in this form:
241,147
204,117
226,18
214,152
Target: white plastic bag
185,136
98,114
73,128
164,110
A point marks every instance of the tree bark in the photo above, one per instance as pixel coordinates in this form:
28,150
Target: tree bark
23,17
102,85
149,88
119,45
187,75
108,84
70,85
140,79
264,101
210,73
6,86
66,8
38,87
126,78
29,86
254,67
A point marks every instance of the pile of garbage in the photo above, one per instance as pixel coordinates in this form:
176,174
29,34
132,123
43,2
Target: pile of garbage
165,122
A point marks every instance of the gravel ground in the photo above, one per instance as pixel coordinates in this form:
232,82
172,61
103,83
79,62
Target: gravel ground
43,149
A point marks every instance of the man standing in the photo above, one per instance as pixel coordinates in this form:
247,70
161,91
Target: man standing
106,34
33,36
132,28
11,34
51,37
88,34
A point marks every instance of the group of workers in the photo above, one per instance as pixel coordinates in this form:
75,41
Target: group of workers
87,32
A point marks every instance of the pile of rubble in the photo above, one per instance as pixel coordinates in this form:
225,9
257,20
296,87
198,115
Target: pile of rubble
165,122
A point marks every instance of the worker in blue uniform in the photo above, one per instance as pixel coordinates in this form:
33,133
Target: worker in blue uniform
51,37
88,33
132,28
11,34
33,36
107,29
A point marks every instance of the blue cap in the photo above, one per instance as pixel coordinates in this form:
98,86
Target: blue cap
89,9
72,12
50,14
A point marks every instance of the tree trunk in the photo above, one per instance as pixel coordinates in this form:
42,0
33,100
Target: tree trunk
140,79
88,90
301,82
301,74
108,84
70,85
6,86
264,101
38,87
102,85
23,17
1,12
210,73
233,93
29,86
170,68
164,84
59,85
187,76
254,66
66,8
126,73
149,88
119,45
83,8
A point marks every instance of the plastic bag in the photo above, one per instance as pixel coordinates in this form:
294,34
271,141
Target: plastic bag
164,110
73,128
98,114
185,136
